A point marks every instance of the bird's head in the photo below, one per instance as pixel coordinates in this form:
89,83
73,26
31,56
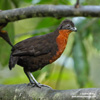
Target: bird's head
67,25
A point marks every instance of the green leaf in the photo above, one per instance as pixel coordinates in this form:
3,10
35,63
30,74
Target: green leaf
16,3
43,1
80,61
84,27
5,4
89,2
95,29
90,26
48,22
28,1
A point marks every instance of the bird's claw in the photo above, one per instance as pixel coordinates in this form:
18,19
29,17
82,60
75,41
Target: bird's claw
38,85
34,85
31,84
42,85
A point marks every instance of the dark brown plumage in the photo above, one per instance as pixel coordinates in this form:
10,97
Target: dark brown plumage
36,52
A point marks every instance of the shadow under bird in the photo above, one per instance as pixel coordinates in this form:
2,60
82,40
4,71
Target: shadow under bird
36,52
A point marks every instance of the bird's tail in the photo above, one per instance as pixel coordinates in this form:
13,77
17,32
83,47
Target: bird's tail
13,60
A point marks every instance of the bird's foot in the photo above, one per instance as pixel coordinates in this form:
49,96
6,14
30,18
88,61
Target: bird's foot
34,85
38,85
31,84
42,85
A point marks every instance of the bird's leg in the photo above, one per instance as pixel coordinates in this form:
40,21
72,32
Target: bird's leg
31,79
38,84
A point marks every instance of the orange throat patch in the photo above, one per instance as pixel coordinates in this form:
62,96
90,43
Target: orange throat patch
61,41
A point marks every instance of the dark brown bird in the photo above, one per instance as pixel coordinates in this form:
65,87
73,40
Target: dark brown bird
36,52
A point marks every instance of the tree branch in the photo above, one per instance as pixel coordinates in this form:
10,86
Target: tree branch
57,11
24,92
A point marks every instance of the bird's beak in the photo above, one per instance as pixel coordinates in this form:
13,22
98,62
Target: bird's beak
74,29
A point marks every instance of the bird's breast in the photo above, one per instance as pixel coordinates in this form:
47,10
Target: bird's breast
61,41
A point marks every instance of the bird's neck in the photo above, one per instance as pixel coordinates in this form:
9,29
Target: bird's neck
64,33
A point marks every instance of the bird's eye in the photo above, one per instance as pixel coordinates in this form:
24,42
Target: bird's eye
68,26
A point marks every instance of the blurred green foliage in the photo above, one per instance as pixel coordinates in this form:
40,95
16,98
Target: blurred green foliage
83,46
80,61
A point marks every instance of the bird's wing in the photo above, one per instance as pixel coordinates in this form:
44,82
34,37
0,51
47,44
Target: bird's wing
32,47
